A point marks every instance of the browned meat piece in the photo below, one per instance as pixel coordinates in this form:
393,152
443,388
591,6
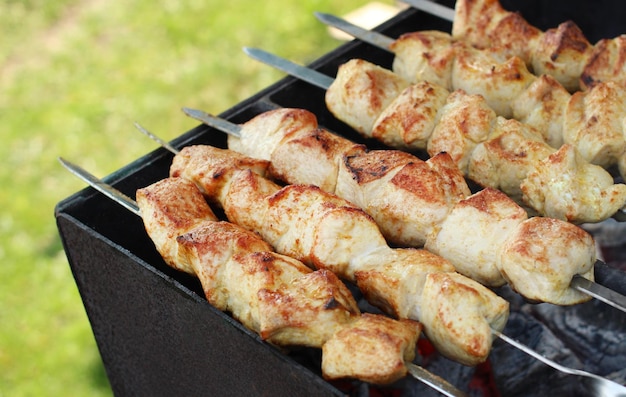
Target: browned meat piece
361,96
606,63
360,349
425,56
566,187
542,106
540,258
408,122
187,211
484,23
292,141
503,161
474,230
462,123
499,82
456,293
562,53
594,122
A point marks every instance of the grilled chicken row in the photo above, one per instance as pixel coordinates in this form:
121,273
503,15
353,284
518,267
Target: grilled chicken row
485,236
495,152
561,52
327,232
593,121
274,295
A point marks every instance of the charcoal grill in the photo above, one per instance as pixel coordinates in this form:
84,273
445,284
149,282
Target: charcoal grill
157,334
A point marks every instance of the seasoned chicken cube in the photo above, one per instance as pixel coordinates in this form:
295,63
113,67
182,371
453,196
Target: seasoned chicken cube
484,23
408,121
461,314
169,208
607,62
566,187
393,279
595,122
292,141
477,72
542,106
263,134
505,159
424,56
473,232
220,242
462,123
361,91
540,258
382,182
291,162
562,53
312,308
360,348
194,163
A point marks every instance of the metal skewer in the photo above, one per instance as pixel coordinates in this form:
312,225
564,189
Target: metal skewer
368,36
419,373
102,187
432,8
595,383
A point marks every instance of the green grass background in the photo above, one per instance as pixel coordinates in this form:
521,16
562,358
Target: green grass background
74,76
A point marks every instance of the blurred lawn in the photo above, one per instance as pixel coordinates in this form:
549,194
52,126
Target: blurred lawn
74,76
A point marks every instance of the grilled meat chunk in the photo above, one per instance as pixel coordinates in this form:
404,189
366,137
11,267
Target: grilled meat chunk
474,230
555,251
579,192
363,345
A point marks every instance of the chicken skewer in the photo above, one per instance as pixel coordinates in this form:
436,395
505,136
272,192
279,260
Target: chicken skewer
325,231
199,175
492,151
280,136
563,52
181,223
591,121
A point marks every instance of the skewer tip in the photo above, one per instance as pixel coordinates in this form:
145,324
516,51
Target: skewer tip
155,138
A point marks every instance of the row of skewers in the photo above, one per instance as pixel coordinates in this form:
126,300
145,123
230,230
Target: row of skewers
454,303
347,197
495,152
